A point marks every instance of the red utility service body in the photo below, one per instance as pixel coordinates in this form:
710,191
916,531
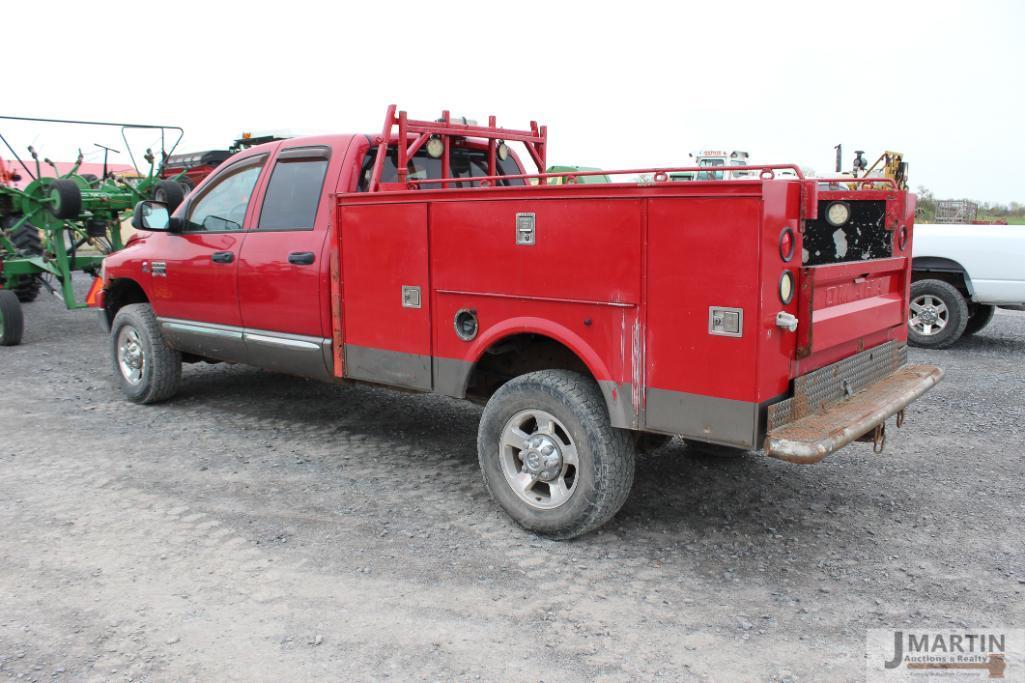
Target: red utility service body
634,279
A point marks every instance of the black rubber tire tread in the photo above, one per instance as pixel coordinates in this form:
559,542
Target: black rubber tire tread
162,371
69,204
980,316
714,450
13,319
28,241
91,178
957,316
170,192
606,454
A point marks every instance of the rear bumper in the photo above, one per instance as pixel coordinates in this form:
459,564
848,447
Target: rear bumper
813,437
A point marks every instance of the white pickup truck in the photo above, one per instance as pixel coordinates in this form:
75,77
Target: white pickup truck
961,275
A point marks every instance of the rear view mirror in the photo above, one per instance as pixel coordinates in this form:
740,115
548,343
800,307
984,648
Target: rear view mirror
151,215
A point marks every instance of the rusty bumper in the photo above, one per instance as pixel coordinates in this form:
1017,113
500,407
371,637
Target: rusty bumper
815,436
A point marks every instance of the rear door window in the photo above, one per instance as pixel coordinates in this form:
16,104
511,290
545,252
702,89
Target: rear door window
465,163
294,190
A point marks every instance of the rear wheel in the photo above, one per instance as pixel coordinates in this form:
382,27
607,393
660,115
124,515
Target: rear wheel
938,315
12,323
146,369
550,457
979,317
28,242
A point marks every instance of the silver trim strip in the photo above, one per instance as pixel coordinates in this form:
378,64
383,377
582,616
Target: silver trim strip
225,331
291,342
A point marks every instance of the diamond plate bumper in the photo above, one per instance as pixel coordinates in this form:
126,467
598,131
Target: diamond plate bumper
818,389
834,425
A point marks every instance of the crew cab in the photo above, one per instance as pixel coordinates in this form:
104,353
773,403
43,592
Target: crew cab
590,319
961,274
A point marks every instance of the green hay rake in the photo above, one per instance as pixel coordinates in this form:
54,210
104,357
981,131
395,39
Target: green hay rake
57,225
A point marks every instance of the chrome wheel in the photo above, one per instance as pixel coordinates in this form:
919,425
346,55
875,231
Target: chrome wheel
929,315
539,459
131,359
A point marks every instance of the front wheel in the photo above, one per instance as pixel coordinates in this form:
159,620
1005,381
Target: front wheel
550,457
146,369
12,323
938,314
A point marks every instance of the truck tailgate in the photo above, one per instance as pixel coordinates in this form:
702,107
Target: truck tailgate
848,301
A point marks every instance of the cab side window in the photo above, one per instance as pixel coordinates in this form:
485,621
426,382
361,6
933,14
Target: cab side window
465,163
294,191
222,208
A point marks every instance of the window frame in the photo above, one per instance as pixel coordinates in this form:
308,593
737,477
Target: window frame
296,155
258,160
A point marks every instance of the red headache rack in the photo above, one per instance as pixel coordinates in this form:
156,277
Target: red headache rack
535,140
413,134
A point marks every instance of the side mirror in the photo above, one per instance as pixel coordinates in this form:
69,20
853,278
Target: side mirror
154,217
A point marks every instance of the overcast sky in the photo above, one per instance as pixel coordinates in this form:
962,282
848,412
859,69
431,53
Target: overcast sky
620,85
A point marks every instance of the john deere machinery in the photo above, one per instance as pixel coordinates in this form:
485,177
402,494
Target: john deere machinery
65,222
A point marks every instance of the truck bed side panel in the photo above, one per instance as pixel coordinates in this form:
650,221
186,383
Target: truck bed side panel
585,249
384,249
700,383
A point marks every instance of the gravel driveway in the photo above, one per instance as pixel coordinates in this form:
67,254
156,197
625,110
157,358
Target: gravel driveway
261,527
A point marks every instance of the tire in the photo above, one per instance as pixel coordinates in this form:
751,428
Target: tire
27,241
568,415
170,193
979,317
938,315
91,178
146,369
12,322
67,198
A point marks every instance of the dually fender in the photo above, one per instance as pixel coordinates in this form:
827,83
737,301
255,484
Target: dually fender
452,376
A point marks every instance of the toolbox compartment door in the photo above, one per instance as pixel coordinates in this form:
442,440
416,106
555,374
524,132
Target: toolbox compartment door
851,301
385,314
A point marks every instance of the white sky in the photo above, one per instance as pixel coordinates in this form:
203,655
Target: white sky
620,85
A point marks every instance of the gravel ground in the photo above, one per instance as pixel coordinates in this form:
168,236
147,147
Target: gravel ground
262,527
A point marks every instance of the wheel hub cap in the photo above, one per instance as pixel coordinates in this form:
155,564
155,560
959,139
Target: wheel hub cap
539,459
130,355
542,458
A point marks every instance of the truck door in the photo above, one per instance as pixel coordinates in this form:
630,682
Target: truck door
386,294
195,284
283,269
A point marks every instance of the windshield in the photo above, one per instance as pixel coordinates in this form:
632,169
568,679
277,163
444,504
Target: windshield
708,163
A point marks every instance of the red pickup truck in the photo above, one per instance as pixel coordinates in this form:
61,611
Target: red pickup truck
590,319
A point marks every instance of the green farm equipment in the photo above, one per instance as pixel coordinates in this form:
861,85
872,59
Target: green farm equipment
571,176
57,225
